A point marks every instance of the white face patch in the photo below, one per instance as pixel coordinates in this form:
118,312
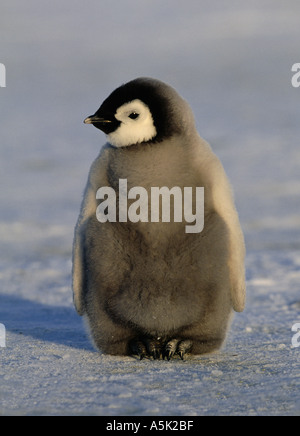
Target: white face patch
137,125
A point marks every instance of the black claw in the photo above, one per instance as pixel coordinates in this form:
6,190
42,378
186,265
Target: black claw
153,348
159,348
170,348
138,349
181,355
157,355
183,348
169,355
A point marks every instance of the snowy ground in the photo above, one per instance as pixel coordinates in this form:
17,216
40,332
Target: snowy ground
234,66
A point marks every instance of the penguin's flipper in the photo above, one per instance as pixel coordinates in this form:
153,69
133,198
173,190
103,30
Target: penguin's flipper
78,274
97,178
79,264
237,268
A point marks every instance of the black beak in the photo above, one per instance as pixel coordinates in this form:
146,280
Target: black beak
107,125
94,119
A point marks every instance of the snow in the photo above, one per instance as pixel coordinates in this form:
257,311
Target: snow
233,65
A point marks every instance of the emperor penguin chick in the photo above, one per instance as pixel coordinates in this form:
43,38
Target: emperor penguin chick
148,281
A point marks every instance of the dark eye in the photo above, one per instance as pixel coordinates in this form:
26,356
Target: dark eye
134,116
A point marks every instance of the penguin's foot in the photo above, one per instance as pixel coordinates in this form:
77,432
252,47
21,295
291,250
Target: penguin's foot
176,346
160,348
146,347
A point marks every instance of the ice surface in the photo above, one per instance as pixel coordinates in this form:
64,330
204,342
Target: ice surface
233,64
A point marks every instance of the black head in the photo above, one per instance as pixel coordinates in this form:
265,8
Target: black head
143,110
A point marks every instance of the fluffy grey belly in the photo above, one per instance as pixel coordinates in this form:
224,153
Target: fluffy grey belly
158,305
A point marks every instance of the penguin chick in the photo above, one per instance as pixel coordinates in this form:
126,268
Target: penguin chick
147,287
